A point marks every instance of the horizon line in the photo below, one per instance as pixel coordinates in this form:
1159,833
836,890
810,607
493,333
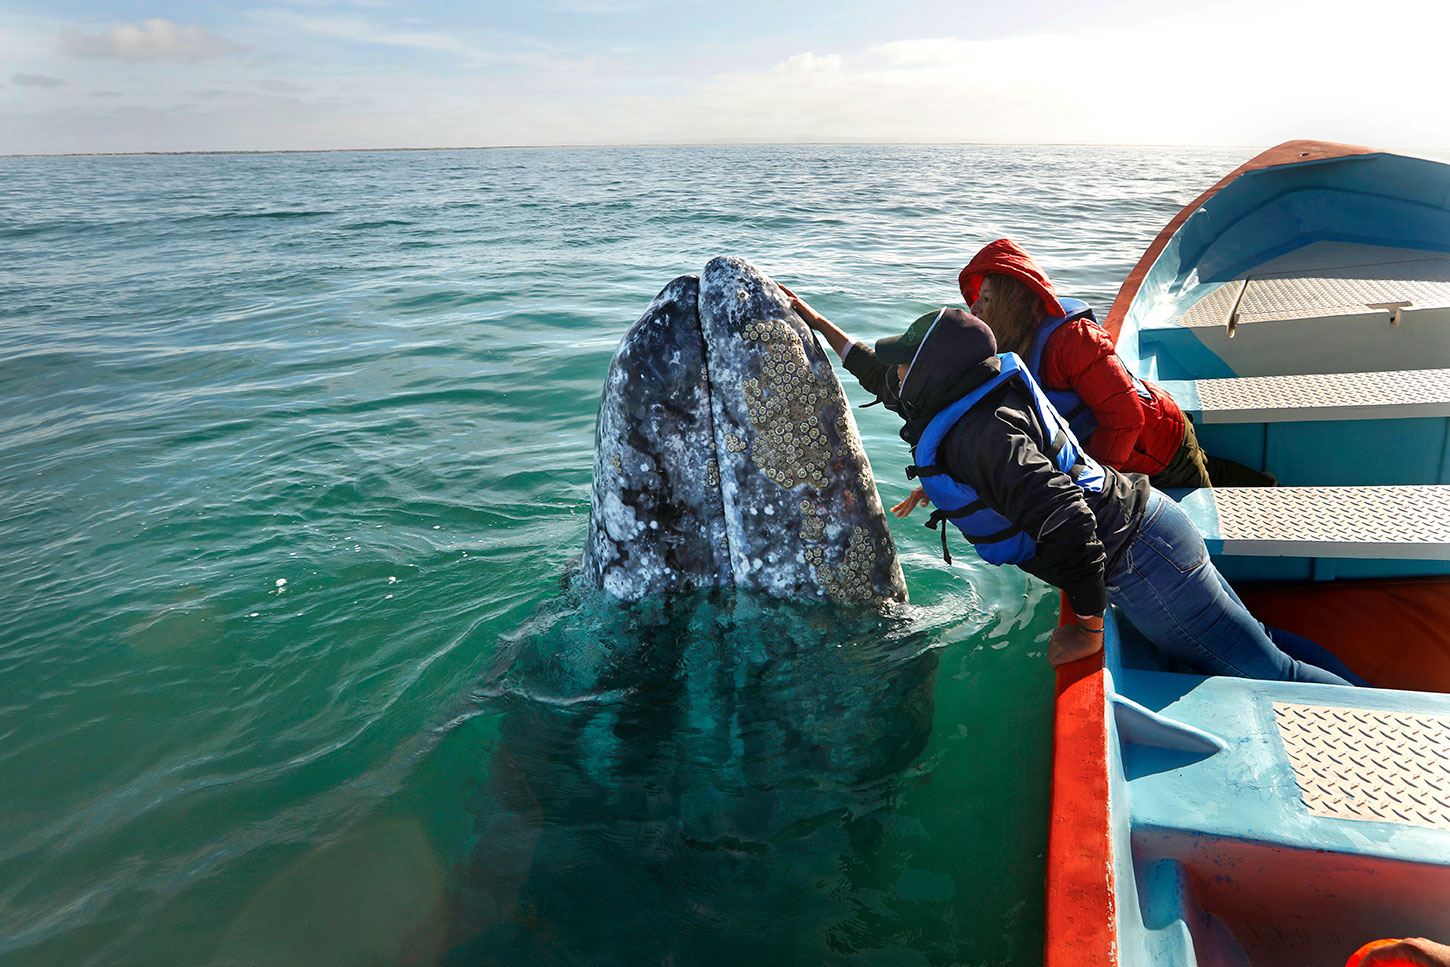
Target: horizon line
620,144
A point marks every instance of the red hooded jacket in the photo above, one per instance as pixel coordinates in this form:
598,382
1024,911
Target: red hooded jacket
1133,434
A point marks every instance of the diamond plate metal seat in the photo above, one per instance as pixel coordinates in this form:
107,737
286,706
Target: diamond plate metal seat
1293,398
1382,283
1389,523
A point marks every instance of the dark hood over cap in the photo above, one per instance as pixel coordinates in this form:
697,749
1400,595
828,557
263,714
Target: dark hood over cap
957,354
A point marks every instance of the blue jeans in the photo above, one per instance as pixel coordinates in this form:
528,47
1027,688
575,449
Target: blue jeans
1168,588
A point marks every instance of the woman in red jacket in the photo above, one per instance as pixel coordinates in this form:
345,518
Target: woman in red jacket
1125,422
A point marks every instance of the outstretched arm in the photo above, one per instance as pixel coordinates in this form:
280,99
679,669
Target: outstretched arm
868,370
859,359
837,339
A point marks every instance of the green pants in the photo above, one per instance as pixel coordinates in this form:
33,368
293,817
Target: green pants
1191,467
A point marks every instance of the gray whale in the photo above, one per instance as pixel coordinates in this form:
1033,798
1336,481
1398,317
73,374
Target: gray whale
725,453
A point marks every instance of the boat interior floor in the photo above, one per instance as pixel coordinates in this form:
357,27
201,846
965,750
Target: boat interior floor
1258,807
1392,632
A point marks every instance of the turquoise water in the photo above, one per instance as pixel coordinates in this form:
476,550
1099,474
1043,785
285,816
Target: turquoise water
294,464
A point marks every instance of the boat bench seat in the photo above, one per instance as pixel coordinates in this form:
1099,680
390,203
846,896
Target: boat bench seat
1324,307
1387,288
1398,394
1406,523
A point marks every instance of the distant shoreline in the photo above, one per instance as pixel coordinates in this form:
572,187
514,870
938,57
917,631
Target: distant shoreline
544,147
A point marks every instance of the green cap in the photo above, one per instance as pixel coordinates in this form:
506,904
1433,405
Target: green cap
901,350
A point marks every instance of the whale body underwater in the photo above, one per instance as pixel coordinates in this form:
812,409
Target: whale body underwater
726,454
673,780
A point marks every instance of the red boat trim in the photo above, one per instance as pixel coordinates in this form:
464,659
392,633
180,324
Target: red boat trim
1290,152
1081,925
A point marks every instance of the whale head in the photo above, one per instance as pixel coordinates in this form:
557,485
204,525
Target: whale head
726,454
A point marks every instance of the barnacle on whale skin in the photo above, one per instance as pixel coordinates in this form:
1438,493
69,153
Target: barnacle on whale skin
784,405
851,582
812,529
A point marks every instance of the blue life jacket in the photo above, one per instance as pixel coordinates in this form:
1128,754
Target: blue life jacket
997,539
1068,403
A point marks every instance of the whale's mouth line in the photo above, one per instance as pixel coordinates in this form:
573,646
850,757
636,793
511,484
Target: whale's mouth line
712,474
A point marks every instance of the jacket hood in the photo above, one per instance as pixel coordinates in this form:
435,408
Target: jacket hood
957,356
1006,257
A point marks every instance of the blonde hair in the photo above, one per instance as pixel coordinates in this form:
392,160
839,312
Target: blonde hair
1012,313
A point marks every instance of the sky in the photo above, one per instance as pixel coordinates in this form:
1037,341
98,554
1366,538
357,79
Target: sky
165,75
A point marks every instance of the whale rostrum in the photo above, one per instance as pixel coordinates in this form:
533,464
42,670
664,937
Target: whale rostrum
726,453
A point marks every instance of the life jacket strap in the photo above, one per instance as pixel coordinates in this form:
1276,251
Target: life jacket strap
1059,440
937,516
930,470
1011,530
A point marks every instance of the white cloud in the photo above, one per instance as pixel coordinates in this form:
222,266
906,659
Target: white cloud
279,87
151,40
1169,78
607,8
929,52
599,7
1181,79
809,63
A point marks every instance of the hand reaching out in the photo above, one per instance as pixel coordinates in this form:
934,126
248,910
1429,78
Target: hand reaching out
916,498
808,315
834,336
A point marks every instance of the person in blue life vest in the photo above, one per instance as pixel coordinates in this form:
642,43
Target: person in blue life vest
1001,465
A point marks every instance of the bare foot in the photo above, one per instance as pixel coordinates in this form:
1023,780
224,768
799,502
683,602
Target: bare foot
1069,643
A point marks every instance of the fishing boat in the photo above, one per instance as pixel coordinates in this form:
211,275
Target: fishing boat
1299,311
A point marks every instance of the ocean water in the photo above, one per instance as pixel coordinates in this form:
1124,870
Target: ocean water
295,459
